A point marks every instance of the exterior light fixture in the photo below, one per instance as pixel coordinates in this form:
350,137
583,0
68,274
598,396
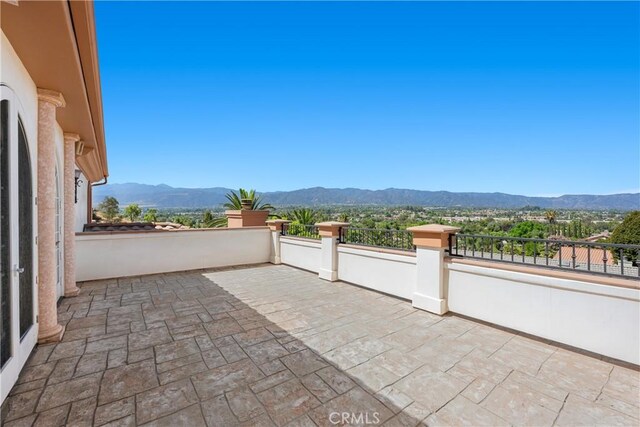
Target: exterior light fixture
78,182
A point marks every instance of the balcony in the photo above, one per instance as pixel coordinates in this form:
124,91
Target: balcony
223,333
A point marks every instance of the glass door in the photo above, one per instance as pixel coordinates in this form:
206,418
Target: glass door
17,243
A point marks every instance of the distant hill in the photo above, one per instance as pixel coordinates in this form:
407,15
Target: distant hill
164,196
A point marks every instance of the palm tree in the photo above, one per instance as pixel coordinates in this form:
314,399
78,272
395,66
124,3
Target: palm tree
244,199
551,216
304,216
210,221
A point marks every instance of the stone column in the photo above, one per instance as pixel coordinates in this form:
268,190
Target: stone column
431,242
275,225
329,233
70,288
48,330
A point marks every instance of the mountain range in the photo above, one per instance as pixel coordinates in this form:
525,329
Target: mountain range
165,196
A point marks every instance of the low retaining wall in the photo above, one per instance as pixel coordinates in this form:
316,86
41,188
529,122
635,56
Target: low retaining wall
600,318
301,253
107,255
391,272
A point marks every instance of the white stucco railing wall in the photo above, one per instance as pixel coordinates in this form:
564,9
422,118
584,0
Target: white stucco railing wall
594,315
600,318
301,253
110,255
393,273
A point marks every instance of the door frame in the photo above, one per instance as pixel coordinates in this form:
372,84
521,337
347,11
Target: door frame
59,234
21,346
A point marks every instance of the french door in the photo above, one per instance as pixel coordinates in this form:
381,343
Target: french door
17,243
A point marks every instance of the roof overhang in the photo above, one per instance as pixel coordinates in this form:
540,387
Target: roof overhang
56,42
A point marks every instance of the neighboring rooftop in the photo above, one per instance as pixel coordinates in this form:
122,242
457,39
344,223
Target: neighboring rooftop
270,345
132,226
584,255
119,226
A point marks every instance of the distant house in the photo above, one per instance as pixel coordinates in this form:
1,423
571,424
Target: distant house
598,237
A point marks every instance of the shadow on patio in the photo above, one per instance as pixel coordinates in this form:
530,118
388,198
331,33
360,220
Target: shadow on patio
265,345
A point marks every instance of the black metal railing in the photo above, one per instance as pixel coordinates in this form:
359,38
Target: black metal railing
592,257
300,230
390,239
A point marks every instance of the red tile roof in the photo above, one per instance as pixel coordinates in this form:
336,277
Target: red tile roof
582,255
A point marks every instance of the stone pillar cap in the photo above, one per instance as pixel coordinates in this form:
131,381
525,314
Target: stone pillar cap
330,228
434,228
432,235
277,224
332,224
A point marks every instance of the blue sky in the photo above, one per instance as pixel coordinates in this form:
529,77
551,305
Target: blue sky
524,98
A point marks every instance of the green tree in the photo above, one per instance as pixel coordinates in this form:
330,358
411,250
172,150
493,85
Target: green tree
151,215
250,197
132,212
183,220
628,233
530,229
211,221
110,208
551,216
304,216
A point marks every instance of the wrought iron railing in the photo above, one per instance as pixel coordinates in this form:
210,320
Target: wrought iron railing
390,239
300,230
593,257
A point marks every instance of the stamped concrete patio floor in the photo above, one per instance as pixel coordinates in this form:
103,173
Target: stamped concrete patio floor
273,345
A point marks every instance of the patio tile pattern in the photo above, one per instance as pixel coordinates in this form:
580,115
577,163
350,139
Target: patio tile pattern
273,345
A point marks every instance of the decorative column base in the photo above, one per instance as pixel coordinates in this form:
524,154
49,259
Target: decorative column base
54,335
430,304
71,292
329,275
